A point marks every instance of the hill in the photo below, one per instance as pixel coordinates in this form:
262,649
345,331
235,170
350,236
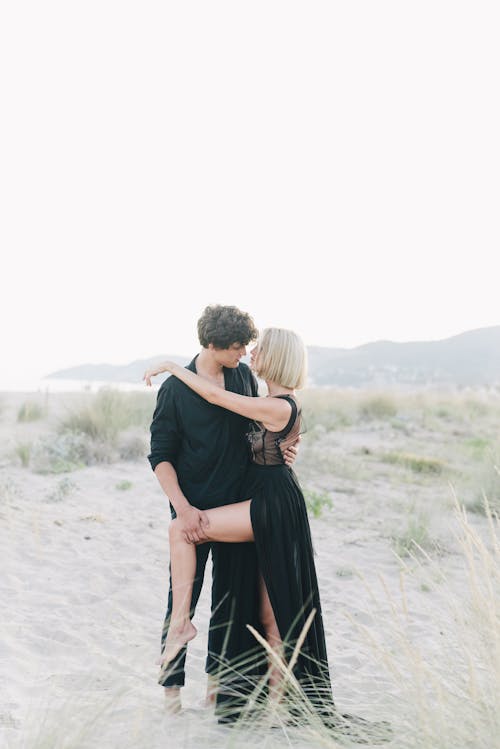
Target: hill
470,358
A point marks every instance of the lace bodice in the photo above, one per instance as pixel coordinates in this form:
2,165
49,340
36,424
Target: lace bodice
267,447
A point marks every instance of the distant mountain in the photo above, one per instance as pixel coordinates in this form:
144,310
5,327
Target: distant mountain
471,358
132,372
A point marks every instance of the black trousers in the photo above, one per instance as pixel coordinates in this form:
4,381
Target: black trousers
234,604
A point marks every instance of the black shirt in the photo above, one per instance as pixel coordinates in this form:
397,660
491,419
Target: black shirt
205,443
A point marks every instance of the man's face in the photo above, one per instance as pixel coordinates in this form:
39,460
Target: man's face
229,357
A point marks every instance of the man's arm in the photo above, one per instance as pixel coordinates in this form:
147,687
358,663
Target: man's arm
193,521
166,435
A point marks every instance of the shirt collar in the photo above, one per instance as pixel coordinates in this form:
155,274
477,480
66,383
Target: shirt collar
192,364
228,373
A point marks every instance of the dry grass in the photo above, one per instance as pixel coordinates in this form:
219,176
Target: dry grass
441,695
448,696
417,463
107,413
31,411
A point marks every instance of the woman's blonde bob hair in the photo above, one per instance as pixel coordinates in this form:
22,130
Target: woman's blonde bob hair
281,358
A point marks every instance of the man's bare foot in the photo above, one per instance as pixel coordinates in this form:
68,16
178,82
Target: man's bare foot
173,700
178,636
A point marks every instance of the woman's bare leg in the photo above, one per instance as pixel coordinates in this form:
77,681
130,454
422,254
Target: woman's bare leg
276,683
182,570
229,524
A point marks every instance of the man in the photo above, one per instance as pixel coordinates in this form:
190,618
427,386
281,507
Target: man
199,454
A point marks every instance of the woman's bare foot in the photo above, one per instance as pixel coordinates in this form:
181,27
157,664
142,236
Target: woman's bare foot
211,695
178,636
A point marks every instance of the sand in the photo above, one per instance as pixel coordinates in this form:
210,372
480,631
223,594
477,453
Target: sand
84,592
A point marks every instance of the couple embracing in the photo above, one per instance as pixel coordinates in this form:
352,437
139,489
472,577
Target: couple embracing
223,456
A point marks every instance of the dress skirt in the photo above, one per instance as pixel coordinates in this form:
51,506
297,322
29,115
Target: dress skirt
284,556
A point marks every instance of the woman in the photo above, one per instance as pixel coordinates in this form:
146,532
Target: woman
274,517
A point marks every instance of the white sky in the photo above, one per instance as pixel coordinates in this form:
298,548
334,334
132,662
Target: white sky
331,167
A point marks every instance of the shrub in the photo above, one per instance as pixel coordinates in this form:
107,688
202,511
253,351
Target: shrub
417,532
476,408
443,413
377,407
416,463
30,411
344,572
132,445
59,453
63,489
109,412
486,483
317,501
330,408
23,452
477,446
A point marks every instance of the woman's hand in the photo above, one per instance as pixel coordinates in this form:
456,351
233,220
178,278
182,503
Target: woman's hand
165,366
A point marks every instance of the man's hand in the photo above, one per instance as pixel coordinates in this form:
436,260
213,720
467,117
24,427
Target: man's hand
291,452
193,524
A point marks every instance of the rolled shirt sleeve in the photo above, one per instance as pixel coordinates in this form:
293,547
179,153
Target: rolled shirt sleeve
165,427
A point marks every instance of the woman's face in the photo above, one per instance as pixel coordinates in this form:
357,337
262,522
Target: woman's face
254,355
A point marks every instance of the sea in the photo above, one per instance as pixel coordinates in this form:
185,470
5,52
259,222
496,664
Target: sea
47,385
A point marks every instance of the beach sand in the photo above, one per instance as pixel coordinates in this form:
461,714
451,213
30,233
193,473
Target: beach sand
84,590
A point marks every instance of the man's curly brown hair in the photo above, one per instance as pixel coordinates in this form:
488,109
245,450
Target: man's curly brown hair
222,326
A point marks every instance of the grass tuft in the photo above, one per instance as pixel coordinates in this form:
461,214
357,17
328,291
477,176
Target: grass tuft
416,463
109,412
23,452
30,411
64,488
316,502
416,536
377,407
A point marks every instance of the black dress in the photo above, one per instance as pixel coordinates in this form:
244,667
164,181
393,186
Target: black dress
284,554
